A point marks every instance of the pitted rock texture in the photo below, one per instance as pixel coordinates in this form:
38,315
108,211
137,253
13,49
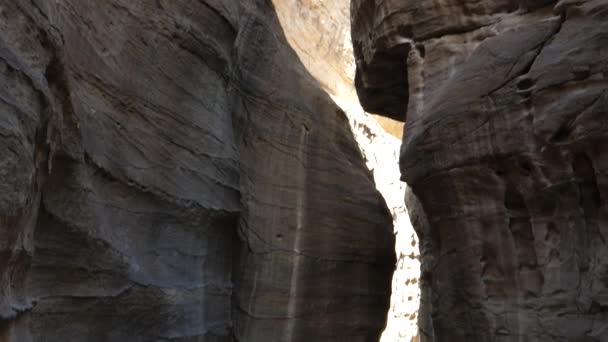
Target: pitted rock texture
171,171
506,152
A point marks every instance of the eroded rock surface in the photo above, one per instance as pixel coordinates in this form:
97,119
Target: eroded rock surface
506,151
171,171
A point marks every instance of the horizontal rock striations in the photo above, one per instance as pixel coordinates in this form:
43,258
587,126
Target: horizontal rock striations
171,172
505,150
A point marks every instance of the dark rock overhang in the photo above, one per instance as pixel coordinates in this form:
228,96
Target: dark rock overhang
382,83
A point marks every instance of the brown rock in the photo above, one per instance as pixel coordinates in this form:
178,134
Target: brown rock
505,151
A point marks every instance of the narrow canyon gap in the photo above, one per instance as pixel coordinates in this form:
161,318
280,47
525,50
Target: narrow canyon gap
172,171
505,148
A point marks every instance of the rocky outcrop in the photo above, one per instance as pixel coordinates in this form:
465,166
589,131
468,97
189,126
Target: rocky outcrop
171,171
505,150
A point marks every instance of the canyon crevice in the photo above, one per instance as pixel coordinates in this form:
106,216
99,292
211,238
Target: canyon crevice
505,149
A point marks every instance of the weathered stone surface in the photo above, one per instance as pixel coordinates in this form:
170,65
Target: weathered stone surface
505,150
171,171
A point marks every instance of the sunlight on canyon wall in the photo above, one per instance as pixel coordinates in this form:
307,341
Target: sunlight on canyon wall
319,32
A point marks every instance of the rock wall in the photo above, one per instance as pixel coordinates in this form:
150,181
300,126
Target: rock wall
171,171
506,151
319,32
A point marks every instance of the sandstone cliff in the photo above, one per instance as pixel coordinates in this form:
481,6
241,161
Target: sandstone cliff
506,152
171,171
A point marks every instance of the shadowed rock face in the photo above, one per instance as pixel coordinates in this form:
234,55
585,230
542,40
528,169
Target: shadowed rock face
381,77
170,171
506,152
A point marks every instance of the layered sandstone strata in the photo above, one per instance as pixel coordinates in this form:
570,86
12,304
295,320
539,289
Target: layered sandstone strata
506,151
171,171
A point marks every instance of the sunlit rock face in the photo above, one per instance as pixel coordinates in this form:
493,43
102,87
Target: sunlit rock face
171,171
381,153
319,32
506,151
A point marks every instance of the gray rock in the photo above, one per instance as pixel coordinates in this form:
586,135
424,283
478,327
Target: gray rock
170,171
505,150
